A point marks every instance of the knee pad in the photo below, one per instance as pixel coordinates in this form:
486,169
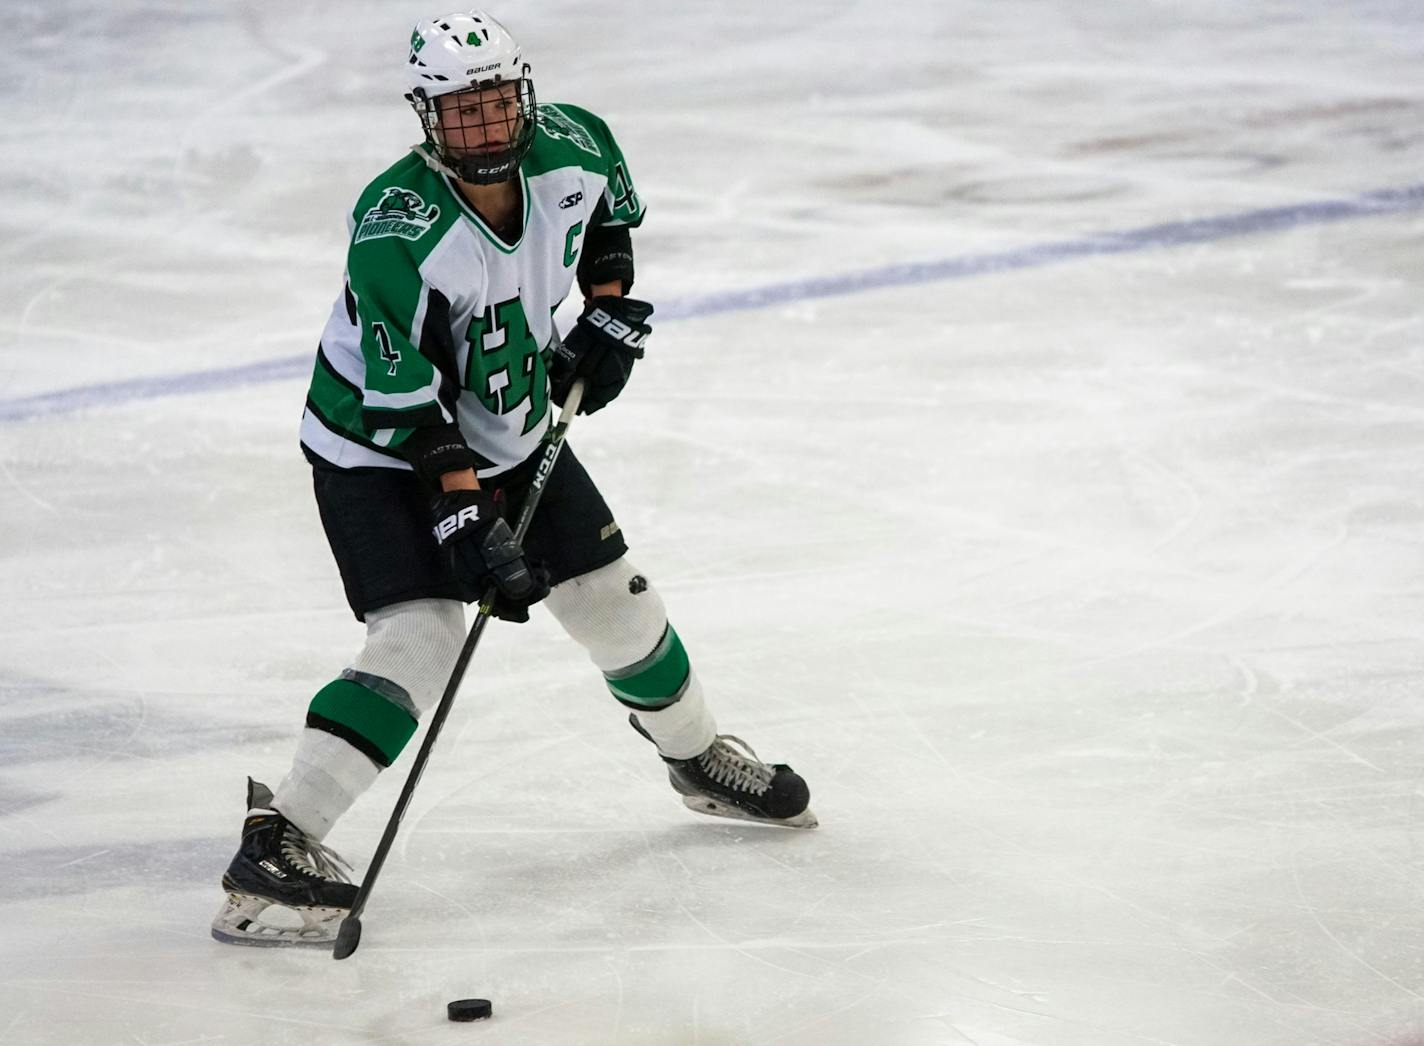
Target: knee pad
410,649
619,618
613,613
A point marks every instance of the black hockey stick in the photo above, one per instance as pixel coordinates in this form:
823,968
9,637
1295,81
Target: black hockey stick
349,934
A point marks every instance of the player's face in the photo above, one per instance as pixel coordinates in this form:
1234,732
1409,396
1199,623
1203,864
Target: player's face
483,120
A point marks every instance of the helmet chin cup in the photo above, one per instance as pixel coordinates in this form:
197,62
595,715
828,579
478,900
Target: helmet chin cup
486,168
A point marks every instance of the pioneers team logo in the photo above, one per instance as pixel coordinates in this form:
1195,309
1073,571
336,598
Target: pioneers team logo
400,212
557,125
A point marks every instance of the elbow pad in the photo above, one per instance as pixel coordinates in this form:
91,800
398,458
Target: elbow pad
607,255
435,450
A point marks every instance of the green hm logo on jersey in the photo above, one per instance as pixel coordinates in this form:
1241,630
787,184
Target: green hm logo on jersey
399,212
504,367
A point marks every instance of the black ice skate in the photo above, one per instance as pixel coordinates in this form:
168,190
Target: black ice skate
283,887
726,782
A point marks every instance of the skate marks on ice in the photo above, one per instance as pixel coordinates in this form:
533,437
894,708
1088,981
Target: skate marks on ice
92,744
40,873
118,728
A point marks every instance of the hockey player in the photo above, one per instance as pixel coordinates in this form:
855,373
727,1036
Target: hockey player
430,395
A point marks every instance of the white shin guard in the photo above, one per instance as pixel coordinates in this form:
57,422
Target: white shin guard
326,777
414,645
683,729
619,618
409,652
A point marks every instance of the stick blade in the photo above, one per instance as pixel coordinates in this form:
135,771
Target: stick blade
348,936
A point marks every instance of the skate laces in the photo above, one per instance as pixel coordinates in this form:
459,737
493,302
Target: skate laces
313,857
742,771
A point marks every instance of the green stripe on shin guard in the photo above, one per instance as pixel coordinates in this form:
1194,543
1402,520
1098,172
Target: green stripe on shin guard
656,681
370,722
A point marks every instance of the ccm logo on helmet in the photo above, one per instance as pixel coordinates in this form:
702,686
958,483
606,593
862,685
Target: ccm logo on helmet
452,523
616,329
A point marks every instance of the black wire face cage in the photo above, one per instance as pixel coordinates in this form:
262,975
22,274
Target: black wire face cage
480,140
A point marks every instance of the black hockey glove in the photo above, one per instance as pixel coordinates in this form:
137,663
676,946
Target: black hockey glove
480,548
600,348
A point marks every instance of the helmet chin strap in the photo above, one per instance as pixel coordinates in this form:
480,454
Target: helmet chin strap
432,160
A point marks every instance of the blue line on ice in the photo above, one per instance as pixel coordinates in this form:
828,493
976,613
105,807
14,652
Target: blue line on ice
1166,234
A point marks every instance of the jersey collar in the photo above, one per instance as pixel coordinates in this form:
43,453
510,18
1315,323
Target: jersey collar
479,223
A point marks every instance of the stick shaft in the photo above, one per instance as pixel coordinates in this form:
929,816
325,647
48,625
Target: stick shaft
553,443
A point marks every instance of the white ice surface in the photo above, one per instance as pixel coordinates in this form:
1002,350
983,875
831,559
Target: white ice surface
1088,596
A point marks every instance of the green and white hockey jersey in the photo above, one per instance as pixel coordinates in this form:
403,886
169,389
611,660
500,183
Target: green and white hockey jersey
441,320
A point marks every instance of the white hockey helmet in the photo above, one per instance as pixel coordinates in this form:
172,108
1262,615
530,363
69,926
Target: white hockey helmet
469,51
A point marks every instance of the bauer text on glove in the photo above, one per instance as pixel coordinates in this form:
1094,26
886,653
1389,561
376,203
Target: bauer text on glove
601,348
480,550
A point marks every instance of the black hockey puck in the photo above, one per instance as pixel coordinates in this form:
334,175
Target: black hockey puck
468,1009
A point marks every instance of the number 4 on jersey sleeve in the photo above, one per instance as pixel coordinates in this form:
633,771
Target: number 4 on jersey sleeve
410,374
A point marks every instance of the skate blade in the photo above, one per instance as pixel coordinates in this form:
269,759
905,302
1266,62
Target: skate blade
712,808
240,921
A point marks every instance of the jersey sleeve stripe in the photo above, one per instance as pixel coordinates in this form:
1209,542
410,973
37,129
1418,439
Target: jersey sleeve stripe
341,448
326,372
346,433
343,366
422,397
403,417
